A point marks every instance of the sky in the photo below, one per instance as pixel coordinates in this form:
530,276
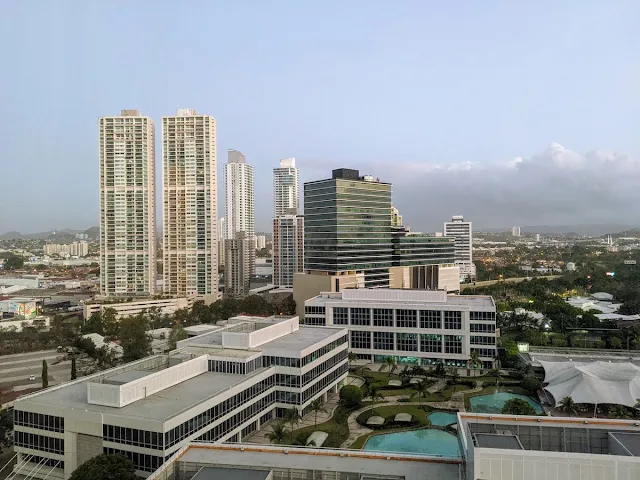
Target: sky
506,112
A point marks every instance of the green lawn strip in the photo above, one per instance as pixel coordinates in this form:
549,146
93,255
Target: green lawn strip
388,412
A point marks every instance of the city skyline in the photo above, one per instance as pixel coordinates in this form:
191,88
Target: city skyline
277,98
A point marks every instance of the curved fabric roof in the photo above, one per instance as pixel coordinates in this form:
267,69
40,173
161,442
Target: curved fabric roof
594,382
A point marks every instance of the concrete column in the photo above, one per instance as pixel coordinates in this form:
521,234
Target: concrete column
325,396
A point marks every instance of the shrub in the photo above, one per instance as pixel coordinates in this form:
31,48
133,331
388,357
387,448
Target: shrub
531,384
350,395
517,406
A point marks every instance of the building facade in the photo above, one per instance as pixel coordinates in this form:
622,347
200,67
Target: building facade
515,231
462,232
127,205
413,326
286,192
74,249
216,387
239,256
190,204
166,306
288,249
239,203
348,226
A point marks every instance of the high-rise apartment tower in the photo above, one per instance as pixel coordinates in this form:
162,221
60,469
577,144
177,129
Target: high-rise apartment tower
286,192
190,204
127,205
462,232
239,196
288,248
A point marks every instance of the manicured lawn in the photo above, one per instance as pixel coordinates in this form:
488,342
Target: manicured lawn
390,411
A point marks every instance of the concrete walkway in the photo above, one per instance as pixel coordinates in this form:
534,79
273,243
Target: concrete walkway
458,397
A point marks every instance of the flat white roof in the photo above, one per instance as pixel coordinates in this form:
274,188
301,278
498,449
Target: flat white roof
401,297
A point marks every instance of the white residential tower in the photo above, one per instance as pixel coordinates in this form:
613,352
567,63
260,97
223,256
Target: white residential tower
463,233
286,192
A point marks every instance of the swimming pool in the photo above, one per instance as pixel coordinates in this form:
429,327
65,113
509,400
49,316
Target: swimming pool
427,441
494,402
442,419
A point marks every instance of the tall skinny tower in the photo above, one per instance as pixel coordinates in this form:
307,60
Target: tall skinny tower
239,206
190,204
286,193
127,205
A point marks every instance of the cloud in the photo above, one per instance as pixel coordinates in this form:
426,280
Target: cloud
555,187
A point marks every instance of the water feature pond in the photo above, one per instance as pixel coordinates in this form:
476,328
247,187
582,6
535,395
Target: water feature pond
427,441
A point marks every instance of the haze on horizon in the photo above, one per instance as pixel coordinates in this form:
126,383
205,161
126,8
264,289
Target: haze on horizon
509,113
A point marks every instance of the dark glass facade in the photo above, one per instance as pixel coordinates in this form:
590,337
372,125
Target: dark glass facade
348,226
416,250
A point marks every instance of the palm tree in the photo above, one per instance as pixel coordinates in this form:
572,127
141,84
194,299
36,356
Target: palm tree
620,412
375,395
317,406
474,361
455,375
278,433
352,357
567,405
391,363
421,389
293,417
495,372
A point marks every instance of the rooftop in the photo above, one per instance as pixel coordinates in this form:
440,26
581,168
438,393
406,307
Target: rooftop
220,473
402,297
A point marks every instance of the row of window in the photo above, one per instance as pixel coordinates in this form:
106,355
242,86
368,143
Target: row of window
38,442
225,427
142,461
482,316
328,364
132,436
180,432
478,340
407,342
384,317
482,327
238,368
485,352
313,310
324,382
38,420
47,462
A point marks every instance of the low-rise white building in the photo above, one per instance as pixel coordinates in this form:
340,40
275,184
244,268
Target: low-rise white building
216,387
414,326
167,306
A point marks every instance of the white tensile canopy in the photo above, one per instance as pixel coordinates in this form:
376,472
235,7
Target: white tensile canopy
594,383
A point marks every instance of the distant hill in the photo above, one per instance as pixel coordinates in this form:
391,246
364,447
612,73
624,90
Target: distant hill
568,230
10,236
50,235
93,232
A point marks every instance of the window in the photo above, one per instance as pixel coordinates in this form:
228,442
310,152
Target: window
430,343
453,344
39,421
340,316
360,339
482,316
480,340
453,320
317,322
382,317
383,341
142,461
39,442
361,316
406,319
313,310
430,319
482,327
485,352
408,342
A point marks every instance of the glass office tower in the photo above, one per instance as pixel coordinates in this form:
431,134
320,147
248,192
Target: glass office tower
348,226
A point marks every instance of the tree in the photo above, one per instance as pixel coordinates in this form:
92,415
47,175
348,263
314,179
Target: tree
517,406
13,262
352,357
74,372
376,395
620,412
440,370
201,313
292,415
531,383
317,406
421,389
455,375
474,360
109,323
615,342
567,405
135,342
391,363
176,334
350,396
278,433
45,374
105,467
93,324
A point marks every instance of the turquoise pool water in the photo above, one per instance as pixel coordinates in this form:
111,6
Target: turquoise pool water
427,441
494,402
442,419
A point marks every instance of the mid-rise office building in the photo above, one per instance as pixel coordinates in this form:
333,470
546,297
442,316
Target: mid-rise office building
462,232
348,226
286,192
288,249
216,387
127,205
239,254
190,204
261,242
414,326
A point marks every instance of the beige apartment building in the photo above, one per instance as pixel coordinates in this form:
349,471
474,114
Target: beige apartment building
190,204
127,205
